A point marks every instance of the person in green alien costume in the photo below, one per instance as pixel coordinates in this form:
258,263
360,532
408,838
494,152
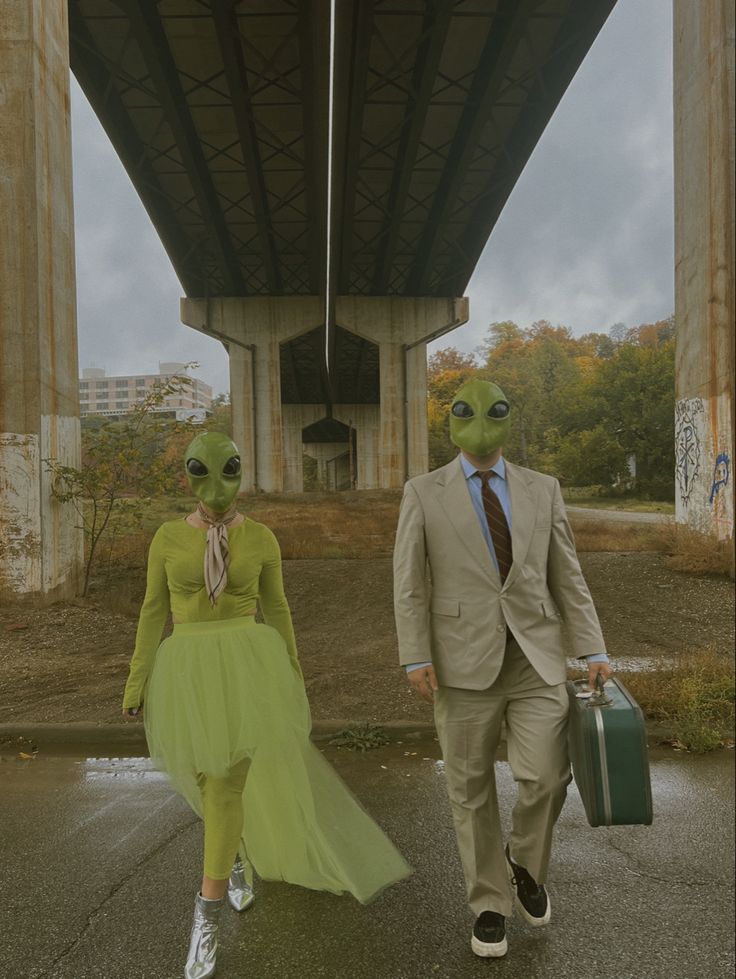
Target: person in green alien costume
481,638
226,713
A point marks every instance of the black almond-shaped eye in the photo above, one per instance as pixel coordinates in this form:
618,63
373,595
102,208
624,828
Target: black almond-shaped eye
232,466
461,409
196,468
499,410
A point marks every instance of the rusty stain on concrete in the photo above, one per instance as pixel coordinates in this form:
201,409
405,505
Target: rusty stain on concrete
705,286
41,545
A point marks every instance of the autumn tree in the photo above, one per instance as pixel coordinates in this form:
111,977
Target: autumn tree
447,370
628,401
220,419
125,463
532,366
634,394
583,407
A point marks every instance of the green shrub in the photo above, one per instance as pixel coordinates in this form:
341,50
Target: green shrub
362,737
693,697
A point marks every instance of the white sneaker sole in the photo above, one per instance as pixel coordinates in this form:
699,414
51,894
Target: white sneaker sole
489,950
529,918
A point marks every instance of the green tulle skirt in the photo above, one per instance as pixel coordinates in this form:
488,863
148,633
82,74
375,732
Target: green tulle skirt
223,691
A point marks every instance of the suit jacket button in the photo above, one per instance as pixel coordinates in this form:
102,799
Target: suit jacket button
500,628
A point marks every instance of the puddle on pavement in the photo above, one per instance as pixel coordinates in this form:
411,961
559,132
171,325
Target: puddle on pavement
631,664
123,769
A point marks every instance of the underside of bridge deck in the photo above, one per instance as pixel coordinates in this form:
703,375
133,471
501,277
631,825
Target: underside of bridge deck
221,112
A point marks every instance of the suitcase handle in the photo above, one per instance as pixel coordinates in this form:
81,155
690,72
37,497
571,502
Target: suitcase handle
600,698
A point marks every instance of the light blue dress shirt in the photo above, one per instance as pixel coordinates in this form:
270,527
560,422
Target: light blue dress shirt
500,487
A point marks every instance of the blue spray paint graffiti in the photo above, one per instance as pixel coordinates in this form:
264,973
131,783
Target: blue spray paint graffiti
721,476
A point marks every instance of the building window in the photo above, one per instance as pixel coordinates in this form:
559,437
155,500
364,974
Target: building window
121,384
121,404
84,385
102,406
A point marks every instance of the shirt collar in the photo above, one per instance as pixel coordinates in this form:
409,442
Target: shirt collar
469,469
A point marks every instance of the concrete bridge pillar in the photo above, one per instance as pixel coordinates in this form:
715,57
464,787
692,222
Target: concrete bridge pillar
391,434
704,264
41,549
253,328
401,326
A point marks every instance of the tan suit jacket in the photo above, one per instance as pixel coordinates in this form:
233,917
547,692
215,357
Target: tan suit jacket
449,603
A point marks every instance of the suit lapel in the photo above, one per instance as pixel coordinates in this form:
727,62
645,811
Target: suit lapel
523,518
455,500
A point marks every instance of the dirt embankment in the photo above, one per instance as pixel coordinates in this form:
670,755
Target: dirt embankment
69,661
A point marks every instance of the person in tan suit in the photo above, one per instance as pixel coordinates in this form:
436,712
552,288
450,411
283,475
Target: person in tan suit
485,577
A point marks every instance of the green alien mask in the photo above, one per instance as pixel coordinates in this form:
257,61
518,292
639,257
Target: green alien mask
212,463
480,418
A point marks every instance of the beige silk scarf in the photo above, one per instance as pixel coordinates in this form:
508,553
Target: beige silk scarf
217,552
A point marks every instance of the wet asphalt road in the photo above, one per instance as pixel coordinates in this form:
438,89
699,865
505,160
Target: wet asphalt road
100,861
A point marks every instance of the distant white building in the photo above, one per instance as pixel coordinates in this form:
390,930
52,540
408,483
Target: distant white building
118,394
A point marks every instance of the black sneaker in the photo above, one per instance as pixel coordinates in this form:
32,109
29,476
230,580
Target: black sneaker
489,935
531,897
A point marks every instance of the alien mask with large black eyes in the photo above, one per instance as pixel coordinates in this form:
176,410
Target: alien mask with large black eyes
480,418
212,465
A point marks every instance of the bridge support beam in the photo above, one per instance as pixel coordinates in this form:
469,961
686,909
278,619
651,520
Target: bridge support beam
253,328
41,549
704,264
401,327
391,434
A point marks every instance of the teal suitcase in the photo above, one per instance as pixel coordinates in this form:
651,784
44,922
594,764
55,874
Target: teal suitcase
608,751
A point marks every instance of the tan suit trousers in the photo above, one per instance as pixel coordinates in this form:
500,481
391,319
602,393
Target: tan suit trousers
469,728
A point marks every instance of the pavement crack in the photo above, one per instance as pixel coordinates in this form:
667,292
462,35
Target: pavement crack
634,866
47,972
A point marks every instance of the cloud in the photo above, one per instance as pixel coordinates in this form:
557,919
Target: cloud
127,292
586,238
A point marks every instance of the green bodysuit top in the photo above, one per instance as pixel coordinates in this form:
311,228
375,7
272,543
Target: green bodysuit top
175,582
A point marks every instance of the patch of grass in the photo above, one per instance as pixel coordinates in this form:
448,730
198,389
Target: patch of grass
307,526
362,524
596,498
119,593
696,553
329,525
362,737
693,698
686,549
606,535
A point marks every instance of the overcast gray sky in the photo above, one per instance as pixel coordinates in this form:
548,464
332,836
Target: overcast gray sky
585,240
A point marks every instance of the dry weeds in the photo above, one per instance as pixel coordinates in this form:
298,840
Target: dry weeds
687,550
693,696
363,525
608,535
330,525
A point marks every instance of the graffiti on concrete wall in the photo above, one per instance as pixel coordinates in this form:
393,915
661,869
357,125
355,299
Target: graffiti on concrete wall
688,451
721,477
703,461
720,497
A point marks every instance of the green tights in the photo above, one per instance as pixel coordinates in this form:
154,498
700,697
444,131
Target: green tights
222,811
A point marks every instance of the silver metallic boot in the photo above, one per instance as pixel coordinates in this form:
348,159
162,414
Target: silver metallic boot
203,942
239,892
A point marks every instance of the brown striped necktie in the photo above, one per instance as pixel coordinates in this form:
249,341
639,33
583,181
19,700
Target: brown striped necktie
497,524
